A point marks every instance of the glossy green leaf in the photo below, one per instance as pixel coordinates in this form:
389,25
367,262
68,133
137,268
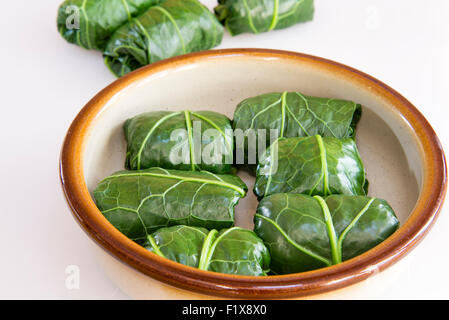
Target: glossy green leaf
305,233
233,251
293,114
139,202
90,23
312,165
255,16
173,28
182,244
171,139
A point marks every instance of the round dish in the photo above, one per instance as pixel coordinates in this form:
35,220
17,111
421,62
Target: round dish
396,142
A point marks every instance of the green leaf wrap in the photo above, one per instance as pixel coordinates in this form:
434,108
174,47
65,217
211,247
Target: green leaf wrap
173,28
232,251
293,114
305,233
171,139
139,202
97,19
311,165
256,16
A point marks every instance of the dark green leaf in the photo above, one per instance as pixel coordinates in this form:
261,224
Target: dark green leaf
139,202
305,233
150,141
257,16
294,115
178,243
175,27
90,23
233,251
311,165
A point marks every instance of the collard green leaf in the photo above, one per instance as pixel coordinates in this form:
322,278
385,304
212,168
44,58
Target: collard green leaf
256,16
312,165
173,28
305,233
171,139
178,243
293,114
90,23
139,202
233,251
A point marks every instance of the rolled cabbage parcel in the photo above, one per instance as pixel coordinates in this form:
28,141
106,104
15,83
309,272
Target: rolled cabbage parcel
172,28
140,202
90,24
312,165
256,16
288,115
305,233
232,251
181,140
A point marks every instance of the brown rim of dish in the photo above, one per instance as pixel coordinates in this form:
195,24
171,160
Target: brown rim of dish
284,286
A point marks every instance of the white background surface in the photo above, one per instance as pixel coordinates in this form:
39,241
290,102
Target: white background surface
46,81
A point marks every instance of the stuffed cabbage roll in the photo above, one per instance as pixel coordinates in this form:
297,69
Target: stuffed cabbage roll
255,16
171,139
139,202
233,251
292,114
90,24
305,233
313,165
172,28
